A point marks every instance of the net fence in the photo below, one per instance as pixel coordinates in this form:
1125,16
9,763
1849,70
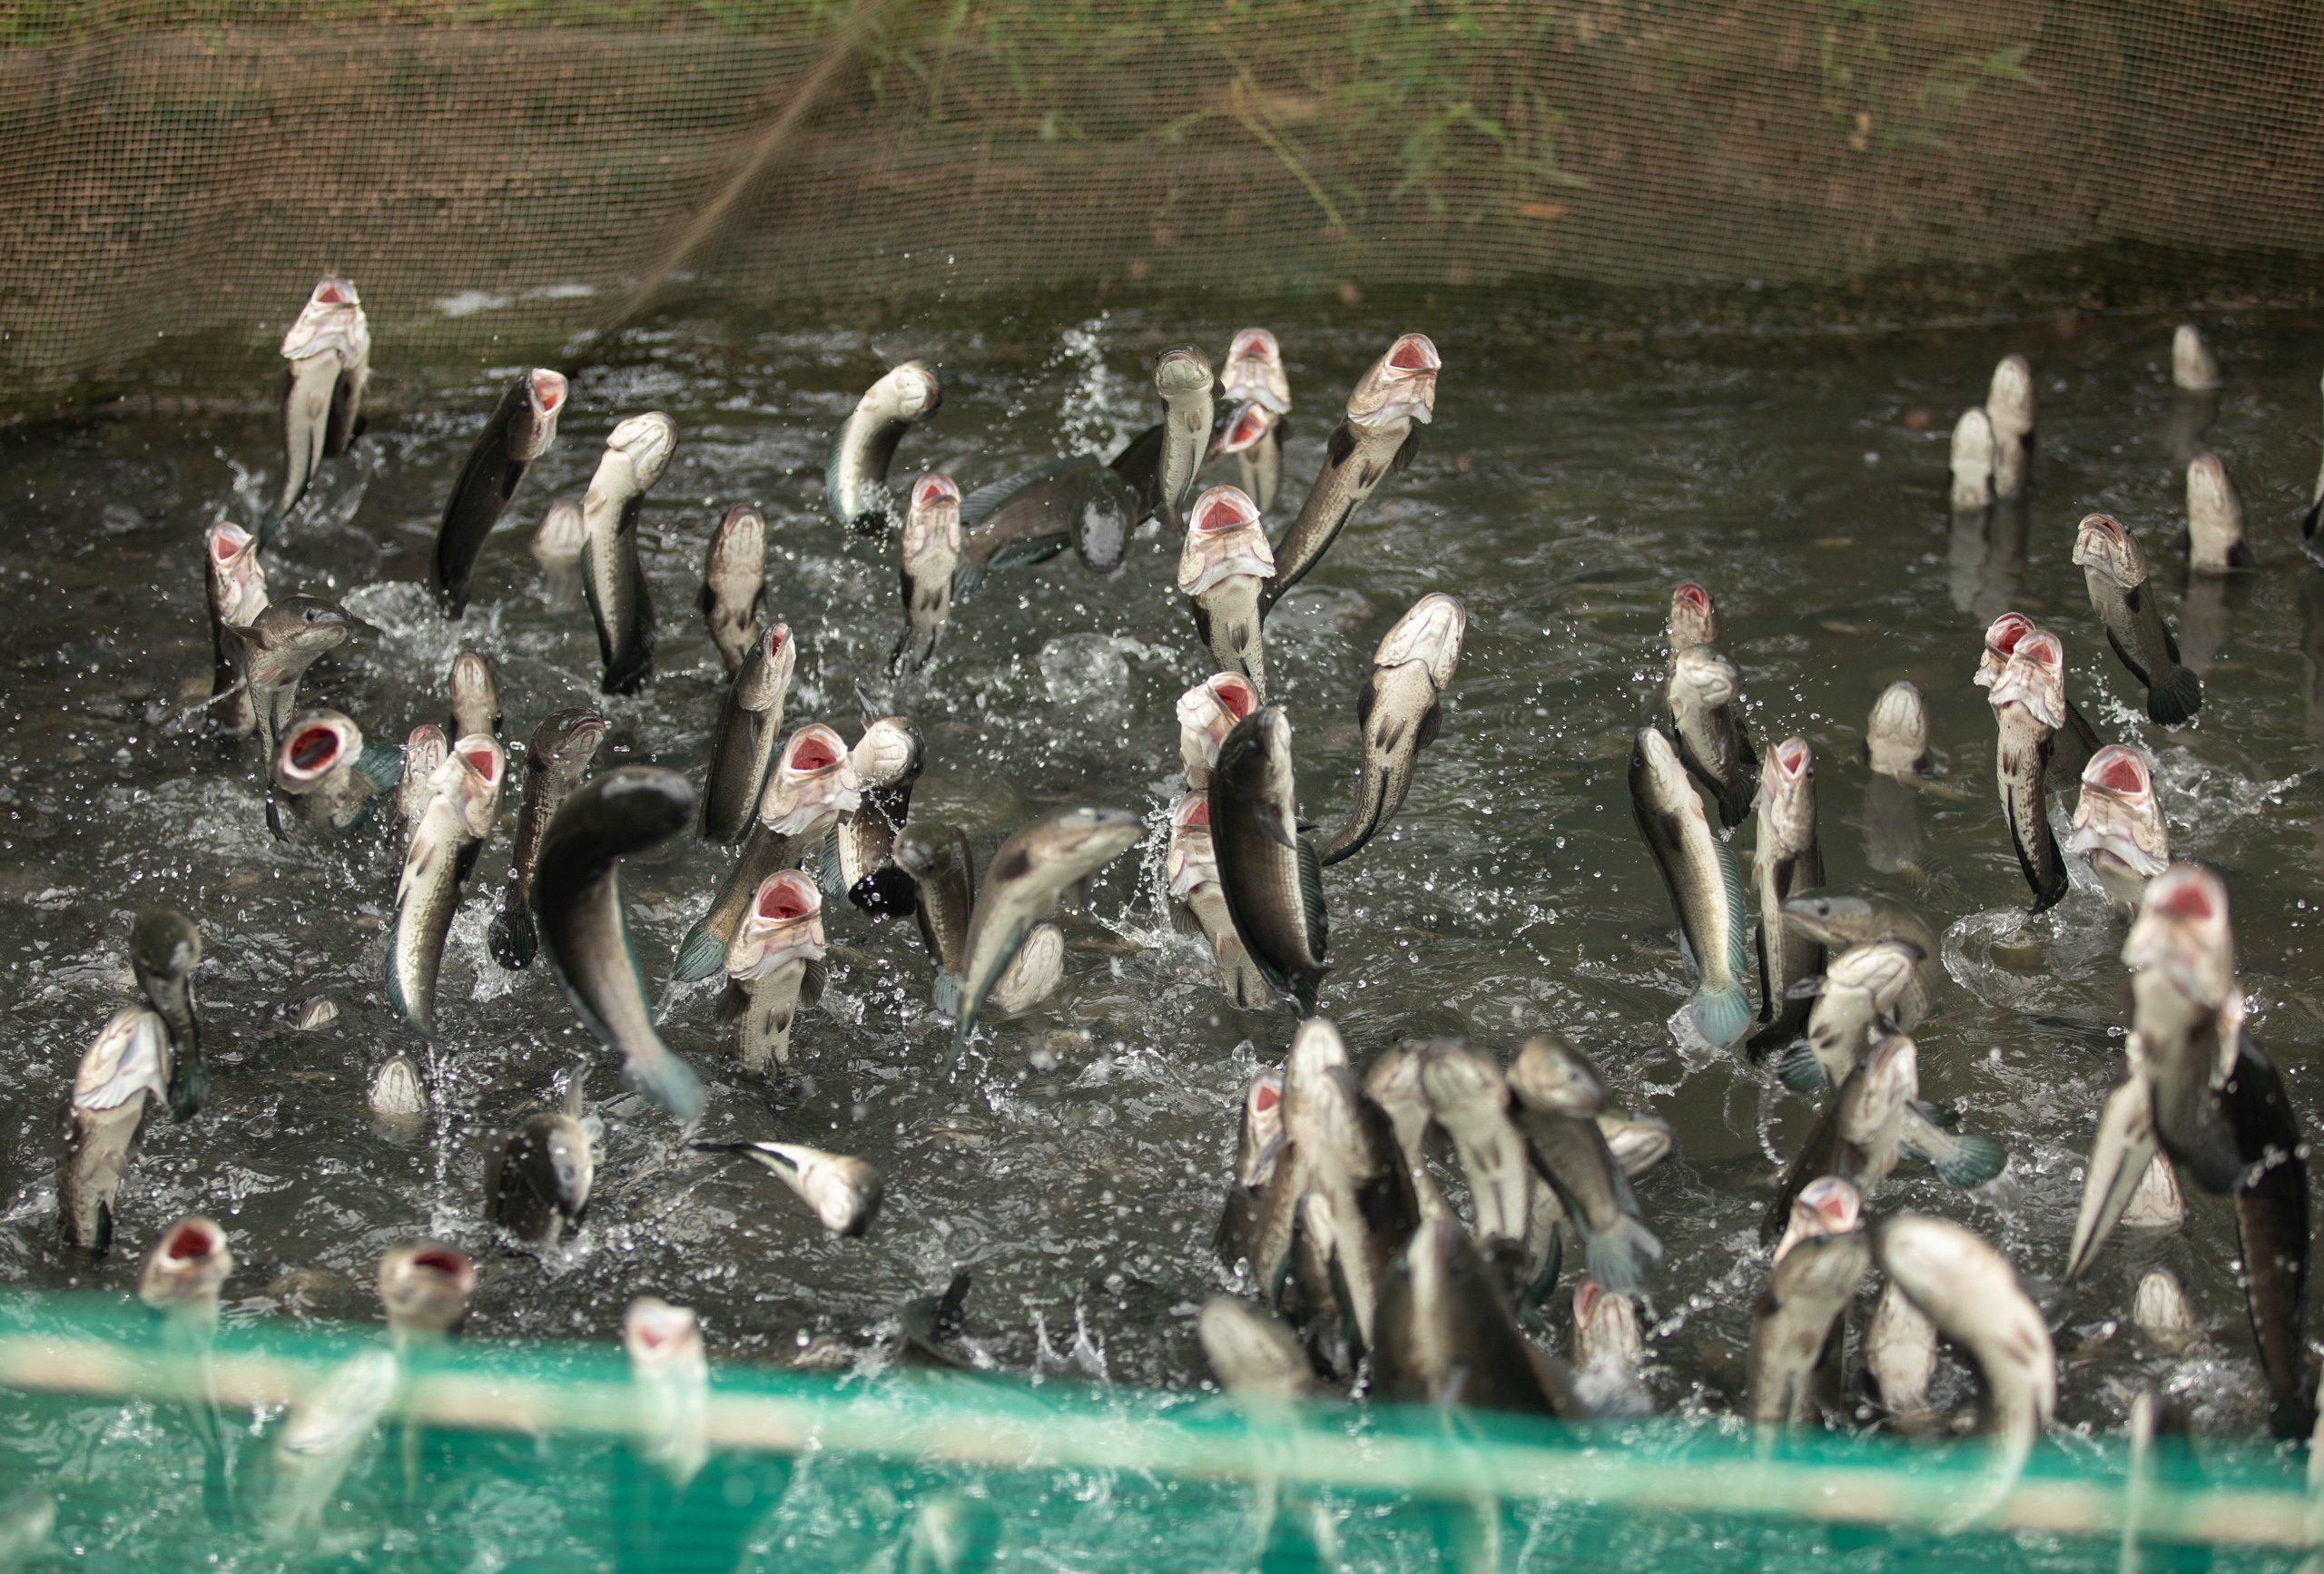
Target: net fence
502,178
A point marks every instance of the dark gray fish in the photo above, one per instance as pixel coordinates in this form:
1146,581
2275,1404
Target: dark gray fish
887,761
2077,740
1198,906
1704,694
1182,376
1222,563
1034,514
1354,1205
273,652
931,549
519,431
2271,1224
164,947
733,583
235,584
537,1178
2029,707
943,871
1266,869
1380,434
556,759
774,964
331,774
464,802
576,903
844,1191
1398,715
2122,596
1786,861
125,1067
750,725
855,469
1706,888
1861,1134
329,352
1447,1336
1559,1098
636,453
1206,714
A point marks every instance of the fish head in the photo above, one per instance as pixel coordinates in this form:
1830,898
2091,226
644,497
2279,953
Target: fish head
1430,633
425,1285
843,1190
2009,399
924,848
1655,764
1456,1079
2160,1307
1895,738
2214,513
398,1090
164,944
186,1265
908,391
1605,1327
812,782
1317,1050
237,578
739,538
1788,793
1827,1205
1693,620
1246,427
2117,812
1180,370
1253,1354
562,532
663,1340
1548,1074
125,1062
933,525
1076,843
1206,714
783,923
2104,545
1641,1143
1891,1074
297,629
1703,679
318,743
2002,639
1971,459
1400,386
472,685
1259,1139
423,754
1190,862
471,777
1882,971
569,1163
643,445
1255,372
547,393
2035,678
332,321
888,755
2182,931
572,734
1224,538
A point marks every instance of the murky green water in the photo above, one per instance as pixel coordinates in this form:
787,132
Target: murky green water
1077,1167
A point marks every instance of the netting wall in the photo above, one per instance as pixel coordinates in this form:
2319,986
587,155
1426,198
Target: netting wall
174,173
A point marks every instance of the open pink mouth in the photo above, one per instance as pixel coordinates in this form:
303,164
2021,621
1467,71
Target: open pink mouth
189,1243
813,754
549,390
2007,630
226,543
931,487
1693,597
788,899
1791,758
442,1260
1414,352
1253,344
1195,815
774,638
331,295
653,1337
1264,1101
1248,427
1225,511
2187,899
313,749
2042,649
2122,774
1837,1209
1236,696
485,762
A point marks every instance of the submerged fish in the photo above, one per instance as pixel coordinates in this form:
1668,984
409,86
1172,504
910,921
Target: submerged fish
1706,889
844,1191
518,431
1380,434
1206,714
464,802
636,453
931,550
1786,861
557,757
235,584
1223,564
331,776
733,583
181,1282
774,963
671,1374
329,354
2122,596
2215,540
164,947
2118,825
750,725
1704,695
1399,714
1268,869
855,470
2028,702
124,1067
537,1178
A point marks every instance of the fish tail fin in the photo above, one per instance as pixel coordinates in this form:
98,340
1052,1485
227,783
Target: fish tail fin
669,1082
1777,1034
699,954
1798,1070
189,1084
1735,798
1720,1017
947,995
1241,978
1621,1257
512,938
1960,1159
2175,698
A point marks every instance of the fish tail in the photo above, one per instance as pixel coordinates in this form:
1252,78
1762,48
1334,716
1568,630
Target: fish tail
669,1082
1960,1159
701,953
189,1084
1798,1070
1720,1017
1776,1035
2175,698
1621,1257
512,937
1240,976
947,996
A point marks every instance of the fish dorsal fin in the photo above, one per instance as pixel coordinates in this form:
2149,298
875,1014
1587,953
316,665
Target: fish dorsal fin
1730,874
1311,896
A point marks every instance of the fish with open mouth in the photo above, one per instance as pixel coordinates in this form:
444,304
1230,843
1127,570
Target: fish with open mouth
273,652
1693,621
1267,868
1379,435
235,584
519,431
1259,1144
1206,714
1706,888
734,584
2028,702
1399,714
887,761
1224,564
1198,906
2078,741
329,354
123,1069
2009,408
1796,1323
750,725
537,1178
855,469
1021,887
1786,861
164,947
2214,538
1034,514
931,553
843,1190
425,1287
1257,392
331,776
814,783
2118,825
2122,595
636,453
557,757
1704,696
463,804
578,906
774,964
180,1283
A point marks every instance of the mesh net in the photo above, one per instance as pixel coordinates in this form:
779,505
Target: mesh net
503,176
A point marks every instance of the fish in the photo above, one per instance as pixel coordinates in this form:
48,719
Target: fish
1198,904
2271,1222
235,584
1259,1146
1223,564
1638,1143
1706,888
1448,1336
1031,516
1182,376
1973,461
814,783
2214,538
2074,746
1608,1353
1693,621
734,584
125,1067
1557,1098
2118,825
537,1178
2009,406
1356,1208
953,1533
2159,1310
425,1287
1020,886
331,776
1786,861
1206,714
1253,383
943,868
1796,1321
1467,1097
397,1096
164,947
1900,1356
1268,869
1256,1357
1837,921
2186,1021
1252,434
578,906
2122,596
181,1282
1393,1082
1704,697
273,652
2028,702
931,553
855,468
636,453
557,758
1971,1296
2192,366
670,1376
1861,988
1861,1134
887,761
750,725
1896,737
424,753
329,354
1379,435
843,1191
466,802
329,1425
475,696
519,431
558,539
1398,715
774,963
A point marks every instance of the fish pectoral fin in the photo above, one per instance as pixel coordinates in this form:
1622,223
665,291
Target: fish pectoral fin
1272,824
1431,721
1406,451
